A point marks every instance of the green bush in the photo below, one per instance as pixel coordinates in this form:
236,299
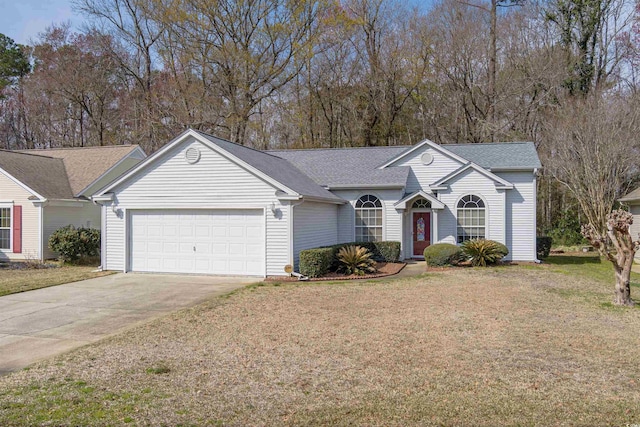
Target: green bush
73,243
356,260
543,246
483,252
442,254
316,262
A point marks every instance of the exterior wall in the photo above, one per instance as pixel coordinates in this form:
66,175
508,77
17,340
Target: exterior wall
114,173
55,217
521,216
12,193
314,224
422,175
472,182
391,217
213,182
634,230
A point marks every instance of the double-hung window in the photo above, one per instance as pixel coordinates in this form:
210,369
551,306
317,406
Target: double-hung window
368,219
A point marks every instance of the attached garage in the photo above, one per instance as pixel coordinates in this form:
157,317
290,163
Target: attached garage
201,241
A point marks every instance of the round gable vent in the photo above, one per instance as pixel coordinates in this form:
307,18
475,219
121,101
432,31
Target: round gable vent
426,158
192,155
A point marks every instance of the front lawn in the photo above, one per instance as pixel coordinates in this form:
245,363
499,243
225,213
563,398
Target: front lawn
20,280
516,345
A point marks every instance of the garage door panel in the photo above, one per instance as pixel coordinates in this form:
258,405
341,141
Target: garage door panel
225,241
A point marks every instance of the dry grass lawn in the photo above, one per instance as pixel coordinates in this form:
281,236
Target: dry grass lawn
525,345
13,281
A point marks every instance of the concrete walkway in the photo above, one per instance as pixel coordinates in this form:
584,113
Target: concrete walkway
39,324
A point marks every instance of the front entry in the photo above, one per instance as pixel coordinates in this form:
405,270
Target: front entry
421,232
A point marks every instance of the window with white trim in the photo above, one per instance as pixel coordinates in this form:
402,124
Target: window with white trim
368,219
421,204
5,228
471,218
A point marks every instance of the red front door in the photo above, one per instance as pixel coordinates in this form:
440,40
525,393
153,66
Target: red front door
421,232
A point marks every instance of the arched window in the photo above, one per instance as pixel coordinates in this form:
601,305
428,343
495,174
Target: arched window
368,219
421,204
471,218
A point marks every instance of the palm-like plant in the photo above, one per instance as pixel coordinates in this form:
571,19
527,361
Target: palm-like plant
483,252
356,260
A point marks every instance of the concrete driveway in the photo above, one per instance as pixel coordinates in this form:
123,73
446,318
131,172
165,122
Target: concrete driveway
38,324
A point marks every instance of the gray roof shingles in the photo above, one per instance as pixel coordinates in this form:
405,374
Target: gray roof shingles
499,155
353,167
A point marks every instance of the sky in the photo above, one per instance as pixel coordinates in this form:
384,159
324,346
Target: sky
22,20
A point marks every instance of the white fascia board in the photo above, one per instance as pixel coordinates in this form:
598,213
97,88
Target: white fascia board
137,150
323,200
431,144
21,184
104,198
435,203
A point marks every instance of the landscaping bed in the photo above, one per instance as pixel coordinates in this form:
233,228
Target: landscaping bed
383,269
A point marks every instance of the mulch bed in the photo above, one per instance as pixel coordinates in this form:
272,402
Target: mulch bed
383,269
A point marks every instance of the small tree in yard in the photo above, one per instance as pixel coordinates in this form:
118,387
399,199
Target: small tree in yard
617,246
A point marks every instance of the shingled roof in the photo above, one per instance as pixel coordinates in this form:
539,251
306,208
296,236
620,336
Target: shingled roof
499,155
348,167
44,175
84,165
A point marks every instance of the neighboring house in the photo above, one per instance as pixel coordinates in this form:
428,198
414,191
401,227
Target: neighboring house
205,205
633,201
43,190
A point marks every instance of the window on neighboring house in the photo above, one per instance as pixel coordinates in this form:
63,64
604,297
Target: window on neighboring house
5,228
368,219
471,218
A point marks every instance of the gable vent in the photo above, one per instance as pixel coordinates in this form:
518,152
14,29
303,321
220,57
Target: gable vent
192,155
426,158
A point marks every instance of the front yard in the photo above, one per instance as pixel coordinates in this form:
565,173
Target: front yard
519,345
27,279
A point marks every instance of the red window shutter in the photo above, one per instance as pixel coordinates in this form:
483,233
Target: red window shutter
17,229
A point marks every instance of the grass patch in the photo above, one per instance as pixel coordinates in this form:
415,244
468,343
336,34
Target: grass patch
14,281
515,345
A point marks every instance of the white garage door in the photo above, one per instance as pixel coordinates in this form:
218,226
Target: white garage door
197,241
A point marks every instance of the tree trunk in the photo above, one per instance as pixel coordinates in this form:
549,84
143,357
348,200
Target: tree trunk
623,288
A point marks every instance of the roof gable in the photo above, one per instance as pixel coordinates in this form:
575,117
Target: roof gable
418,147
435,203
272,169
500,183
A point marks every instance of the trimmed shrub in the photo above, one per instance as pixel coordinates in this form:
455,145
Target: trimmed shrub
388,251
73,243
543,246
442,254
482,252
356,260
316,262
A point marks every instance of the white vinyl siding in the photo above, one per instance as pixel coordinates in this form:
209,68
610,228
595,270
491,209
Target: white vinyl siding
314,225
12,192
422,175
85,214
521,216
391,217
214,182
472,182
